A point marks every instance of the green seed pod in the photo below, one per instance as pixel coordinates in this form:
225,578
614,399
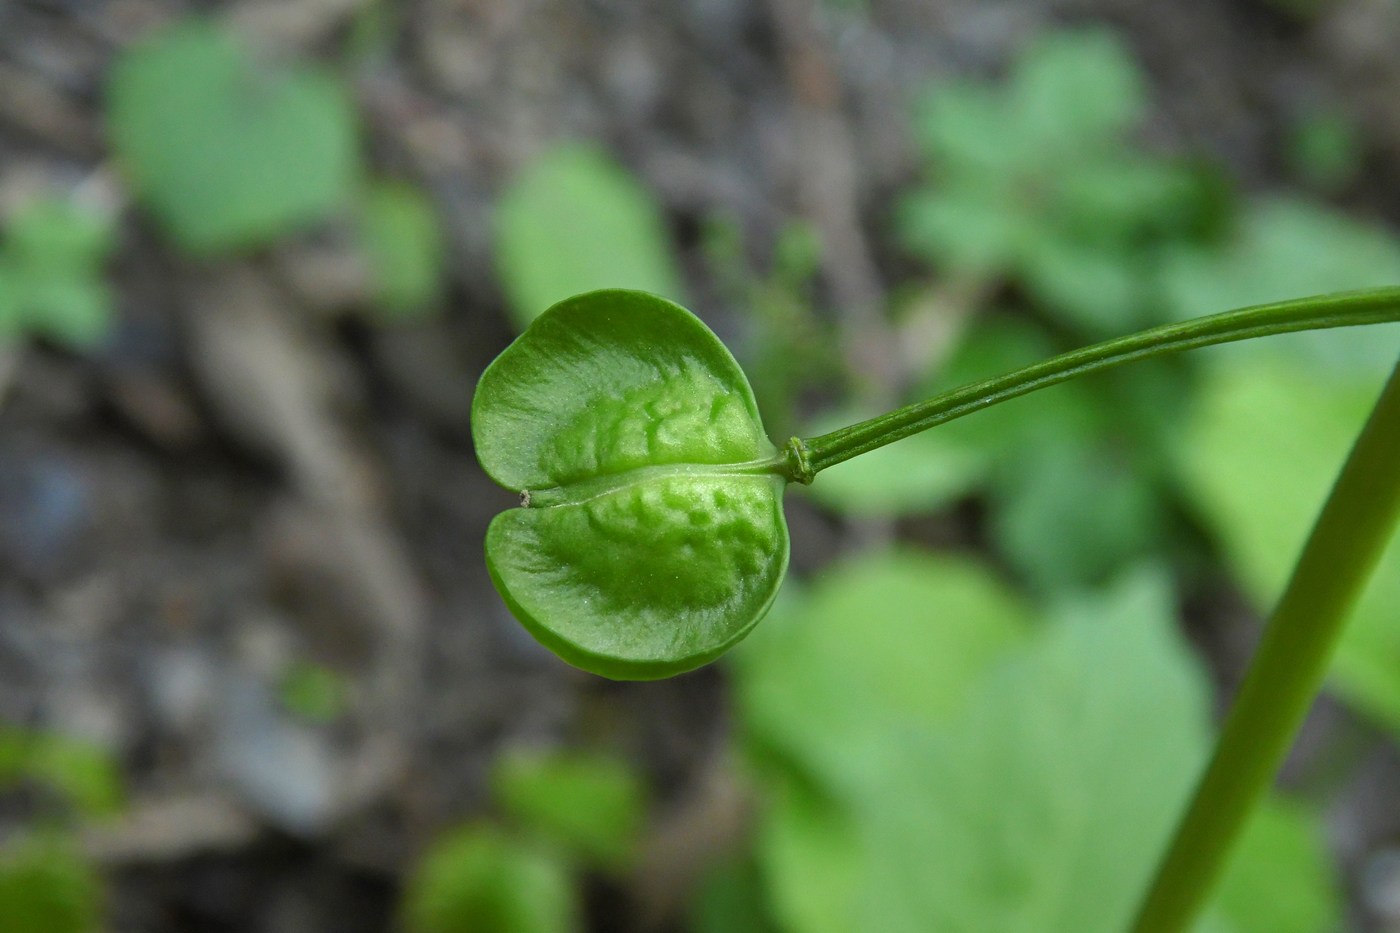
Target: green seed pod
650,537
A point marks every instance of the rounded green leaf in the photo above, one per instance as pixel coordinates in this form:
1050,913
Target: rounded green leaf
651,535
225,150
575,220
588,805
47,887
477,878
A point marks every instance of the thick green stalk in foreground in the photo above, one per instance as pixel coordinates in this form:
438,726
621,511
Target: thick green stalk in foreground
808,457
1288,669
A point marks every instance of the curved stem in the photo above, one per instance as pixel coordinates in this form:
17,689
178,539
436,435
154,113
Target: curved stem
1288,669
1374,306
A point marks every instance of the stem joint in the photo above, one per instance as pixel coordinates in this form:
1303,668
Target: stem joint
798,460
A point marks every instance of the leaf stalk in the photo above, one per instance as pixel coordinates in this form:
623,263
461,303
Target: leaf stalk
1348,309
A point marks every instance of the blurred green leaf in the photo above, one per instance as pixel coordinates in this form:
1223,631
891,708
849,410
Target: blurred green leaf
883,640
1324,148
314,692
1036,180
1030,799
56,233
1128,196
722,244
574,221
1074,87
51,281
477,880
797,254
1048,786
229,151
403,243
1042,806
731,899
973,233
1280,878
84,774
1095,290
963,127
46,887
1261,451
1283,249
1072,496
591,806
1075,513
808,848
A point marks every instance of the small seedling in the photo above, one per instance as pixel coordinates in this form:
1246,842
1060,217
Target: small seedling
481,878
590,806
562,813
1036,181
51,283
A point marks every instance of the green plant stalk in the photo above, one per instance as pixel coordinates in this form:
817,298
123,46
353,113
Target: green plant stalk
807,457
1288,669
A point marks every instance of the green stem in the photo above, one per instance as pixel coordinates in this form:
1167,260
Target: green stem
808,457
1288,669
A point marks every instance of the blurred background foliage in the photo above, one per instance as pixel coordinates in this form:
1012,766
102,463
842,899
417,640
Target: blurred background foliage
253,256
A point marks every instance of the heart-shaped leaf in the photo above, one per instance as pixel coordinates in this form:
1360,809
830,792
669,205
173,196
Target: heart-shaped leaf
651,535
